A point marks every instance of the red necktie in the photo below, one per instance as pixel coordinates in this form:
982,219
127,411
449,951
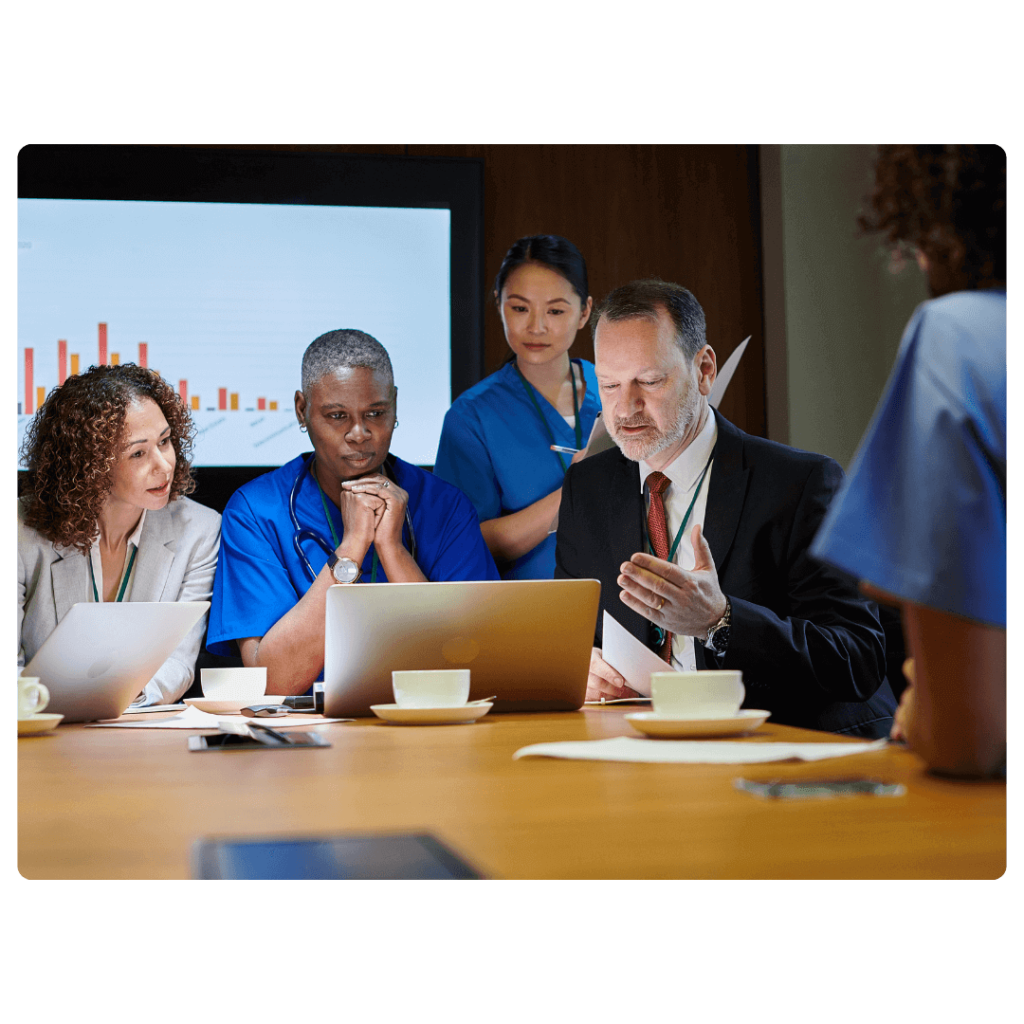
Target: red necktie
657,532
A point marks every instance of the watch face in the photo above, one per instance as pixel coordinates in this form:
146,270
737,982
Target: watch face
345,570
720,640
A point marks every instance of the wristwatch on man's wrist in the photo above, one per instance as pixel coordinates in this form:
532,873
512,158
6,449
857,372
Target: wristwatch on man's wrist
344,570
717,639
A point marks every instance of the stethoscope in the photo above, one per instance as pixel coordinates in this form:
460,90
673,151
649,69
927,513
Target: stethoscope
301,533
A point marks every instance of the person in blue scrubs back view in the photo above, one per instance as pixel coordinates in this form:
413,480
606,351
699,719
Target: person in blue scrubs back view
496,443
349,512
921,519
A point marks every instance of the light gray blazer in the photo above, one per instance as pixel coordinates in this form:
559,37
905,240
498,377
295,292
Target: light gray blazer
176,561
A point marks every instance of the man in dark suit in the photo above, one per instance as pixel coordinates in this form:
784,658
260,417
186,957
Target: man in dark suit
733,517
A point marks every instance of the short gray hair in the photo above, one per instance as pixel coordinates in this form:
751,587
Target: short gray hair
644,300
344,350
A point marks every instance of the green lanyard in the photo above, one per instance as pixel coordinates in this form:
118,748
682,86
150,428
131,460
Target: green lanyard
124,582
544,423
686,518
334,535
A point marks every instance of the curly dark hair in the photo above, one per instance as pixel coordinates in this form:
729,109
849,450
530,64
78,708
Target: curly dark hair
74,441
949,202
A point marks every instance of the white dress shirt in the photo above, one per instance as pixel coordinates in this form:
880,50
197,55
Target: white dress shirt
684,475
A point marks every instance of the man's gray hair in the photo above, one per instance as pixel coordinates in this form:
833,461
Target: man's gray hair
344,350
644,300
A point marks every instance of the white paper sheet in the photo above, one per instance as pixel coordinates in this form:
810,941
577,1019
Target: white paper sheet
725,373
630,658
625,748
139,709
193,718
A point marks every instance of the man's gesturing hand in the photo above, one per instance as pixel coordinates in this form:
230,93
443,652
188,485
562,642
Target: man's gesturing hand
684,601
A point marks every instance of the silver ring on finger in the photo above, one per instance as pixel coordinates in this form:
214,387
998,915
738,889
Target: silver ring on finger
385,484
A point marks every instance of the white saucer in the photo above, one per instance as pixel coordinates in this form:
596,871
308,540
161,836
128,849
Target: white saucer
42,721
430,716
652,724
217,706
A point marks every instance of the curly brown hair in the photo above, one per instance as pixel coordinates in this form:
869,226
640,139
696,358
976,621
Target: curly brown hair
75,439
949,202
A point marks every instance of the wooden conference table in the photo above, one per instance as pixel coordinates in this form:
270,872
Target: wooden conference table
129,803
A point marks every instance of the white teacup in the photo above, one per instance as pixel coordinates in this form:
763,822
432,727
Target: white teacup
431,688
234,683
32,696
711,693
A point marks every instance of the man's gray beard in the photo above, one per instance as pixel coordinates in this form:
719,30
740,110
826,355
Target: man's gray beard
642,450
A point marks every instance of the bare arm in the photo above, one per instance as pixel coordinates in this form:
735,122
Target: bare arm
955,713
292,650
512,536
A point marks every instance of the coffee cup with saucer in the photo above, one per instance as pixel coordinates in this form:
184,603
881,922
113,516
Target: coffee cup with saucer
431,697
32,699
697,704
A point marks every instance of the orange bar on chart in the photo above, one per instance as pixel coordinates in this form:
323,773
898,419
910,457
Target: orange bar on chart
29,359
222,398
103,344
115,359
195,402
143,353
261,403
74,363
234,401
273,406
40,396
62,361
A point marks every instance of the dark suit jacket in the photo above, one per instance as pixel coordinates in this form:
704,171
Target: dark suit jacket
810,647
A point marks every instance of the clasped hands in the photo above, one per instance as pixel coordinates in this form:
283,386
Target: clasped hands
684,601
373,511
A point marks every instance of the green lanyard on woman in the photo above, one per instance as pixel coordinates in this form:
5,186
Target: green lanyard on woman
124,582
544,423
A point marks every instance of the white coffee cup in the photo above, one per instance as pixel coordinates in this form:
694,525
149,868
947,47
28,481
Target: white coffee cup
234,683
431,688
32,696
711,693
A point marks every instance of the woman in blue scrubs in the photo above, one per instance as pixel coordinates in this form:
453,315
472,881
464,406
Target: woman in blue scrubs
497,437
350,512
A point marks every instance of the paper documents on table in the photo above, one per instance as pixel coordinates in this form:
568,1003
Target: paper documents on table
633,660
138,709
193,718
625,748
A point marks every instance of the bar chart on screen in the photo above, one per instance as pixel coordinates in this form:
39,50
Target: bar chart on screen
242,432
222,300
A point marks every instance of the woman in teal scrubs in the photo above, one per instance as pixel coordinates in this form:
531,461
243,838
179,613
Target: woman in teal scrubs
497,437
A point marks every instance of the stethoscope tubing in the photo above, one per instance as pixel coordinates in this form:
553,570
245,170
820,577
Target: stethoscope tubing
301,533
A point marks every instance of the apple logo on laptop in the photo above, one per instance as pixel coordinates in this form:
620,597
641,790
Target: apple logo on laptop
101,666
460,650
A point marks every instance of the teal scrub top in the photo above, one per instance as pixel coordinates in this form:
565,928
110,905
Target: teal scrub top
496,450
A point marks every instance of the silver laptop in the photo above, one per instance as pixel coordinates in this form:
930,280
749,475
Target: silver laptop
527,641
100,656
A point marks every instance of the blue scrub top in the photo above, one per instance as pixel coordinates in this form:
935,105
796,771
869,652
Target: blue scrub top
495,449
260,577
922,514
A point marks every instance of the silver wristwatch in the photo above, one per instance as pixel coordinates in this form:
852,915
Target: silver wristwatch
344,570
717,639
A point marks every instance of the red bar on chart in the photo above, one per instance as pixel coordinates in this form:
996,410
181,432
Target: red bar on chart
234,401
143,353
222,398
28,381
183,391
62,361
103,344
261,403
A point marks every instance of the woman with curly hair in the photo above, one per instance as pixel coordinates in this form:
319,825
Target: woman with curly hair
922,517
103,517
